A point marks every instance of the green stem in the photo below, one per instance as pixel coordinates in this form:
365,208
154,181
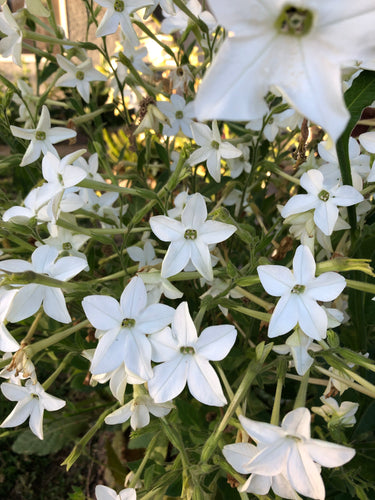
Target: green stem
32,328
302,391
65,362
347,382
142,465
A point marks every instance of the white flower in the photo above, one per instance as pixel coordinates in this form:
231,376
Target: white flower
32,400
30,297
26,105
241,163
185,359
42,138
79,76
180,115
138,410
102,205
179,21
299,291
179,202
190,238
123,328
11,44
336,415
105,493
21,215
298,345
91,167
7,342
252,58
212,149
156,286
288,450
323,198
166,5
145,257
118,13
65,241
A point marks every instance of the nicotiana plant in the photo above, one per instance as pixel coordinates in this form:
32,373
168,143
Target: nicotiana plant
187,241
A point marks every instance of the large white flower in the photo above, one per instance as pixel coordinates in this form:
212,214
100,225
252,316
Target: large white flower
32,400
42,137
323,197
288,451
122,329
319,38
30,297
190,238
299,291
185,359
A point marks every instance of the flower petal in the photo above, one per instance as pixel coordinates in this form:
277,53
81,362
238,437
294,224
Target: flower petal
169,379
102,311
276,280
203,382
215,342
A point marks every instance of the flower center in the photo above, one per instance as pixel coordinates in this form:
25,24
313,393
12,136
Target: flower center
190,234
215,144
40,135
294,21
179,115
67,246
298,289
119,6
128,323
323,195
80,75
96,207
294,438
187,350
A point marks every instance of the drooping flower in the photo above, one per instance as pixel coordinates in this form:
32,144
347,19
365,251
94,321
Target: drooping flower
32,400
123,329
79,76
322,197
42,137
288,451
299,291
30,297
252,58
185,359
190,238
336,415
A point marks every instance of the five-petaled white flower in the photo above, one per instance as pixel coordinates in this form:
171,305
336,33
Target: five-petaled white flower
190,238
299,291
212,148
288,451
42,137
11,44
32,400
118,13
106,493
122,329
323,197
180,115
79,76
318,37
29,298
185,359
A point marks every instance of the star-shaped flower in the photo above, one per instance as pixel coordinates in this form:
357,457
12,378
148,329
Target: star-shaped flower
118,13
185,359
299,291
42,137
212,148
323,197
190,238
319,39
123,329
180,115
79,76
30,297
288,450
32,400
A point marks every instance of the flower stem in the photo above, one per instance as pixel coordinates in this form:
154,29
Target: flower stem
302,391
65,362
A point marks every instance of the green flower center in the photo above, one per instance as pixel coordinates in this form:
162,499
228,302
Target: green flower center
96,207
128,323
323,195
298,289
179,115
294,438
119,6
187,350
67,246
80,75
40,135
215,144
294,21
190,234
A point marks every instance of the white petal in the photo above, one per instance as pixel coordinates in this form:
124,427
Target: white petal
214,232
271,460
26,302
102,311
297,422
239,455
14,392
169,379
299,204
65,268
276,280
303,265
326,287
325,216
284,317
7,342
164,345
133,299
36,420
109,353
19,414
311,317
329,454
195,212
303,473
103,492
120,415
137,355
215,342
345,196
261,432
183,327
201,258
203,382
176,258
167,229
154,318
54,305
